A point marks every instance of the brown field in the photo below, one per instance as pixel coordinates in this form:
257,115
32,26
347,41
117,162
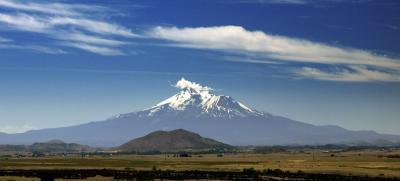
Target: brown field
371,163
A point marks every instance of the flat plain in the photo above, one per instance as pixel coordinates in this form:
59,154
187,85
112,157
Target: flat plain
381,163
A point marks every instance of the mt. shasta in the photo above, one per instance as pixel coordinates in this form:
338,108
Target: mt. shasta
197,109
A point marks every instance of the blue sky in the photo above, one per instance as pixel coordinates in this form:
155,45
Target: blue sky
323,62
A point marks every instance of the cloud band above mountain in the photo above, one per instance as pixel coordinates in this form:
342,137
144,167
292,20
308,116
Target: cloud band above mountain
81,26
280,48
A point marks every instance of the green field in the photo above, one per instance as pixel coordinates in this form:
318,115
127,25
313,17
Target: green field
371,163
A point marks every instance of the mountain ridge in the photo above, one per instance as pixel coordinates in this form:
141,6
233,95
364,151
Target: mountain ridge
197,109
171,141
51,146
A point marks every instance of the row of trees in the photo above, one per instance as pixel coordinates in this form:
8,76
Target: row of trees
246,174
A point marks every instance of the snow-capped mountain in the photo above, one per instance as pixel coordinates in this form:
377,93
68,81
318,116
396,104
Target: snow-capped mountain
195,100
196,108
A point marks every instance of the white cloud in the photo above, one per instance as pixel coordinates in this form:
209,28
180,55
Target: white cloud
49,8
74,25
236,38
185,84
34,48
95,49
44,24
91,39
250,60
350,74
93,26
24,22
273,47
44,49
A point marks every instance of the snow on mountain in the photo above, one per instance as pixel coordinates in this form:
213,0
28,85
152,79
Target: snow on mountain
201,101
196,108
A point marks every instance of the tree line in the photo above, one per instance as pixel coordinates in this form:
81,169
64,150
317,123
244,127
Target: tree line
245,174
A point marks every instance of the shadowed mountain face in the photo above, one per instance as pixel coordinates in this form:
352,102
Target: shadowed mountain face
196,108
176,140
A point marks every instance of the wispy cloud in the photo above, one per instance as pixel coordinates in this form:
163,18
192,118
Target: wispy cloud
275,1
236,38
34,48
392,27
250,60
3,40
267,46
91,39
68,23
93,26
50,8
299,2
95,49
349,74
23,22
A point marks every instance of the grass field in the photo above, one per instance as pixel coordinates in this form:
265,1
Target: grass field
371,163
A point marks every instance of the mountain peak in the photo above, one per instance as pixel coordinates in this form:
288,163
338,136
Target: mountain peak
198,100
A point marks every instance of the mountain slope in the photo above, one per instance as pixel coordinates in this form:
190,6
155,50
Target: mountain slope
176,140
198,101
196,108
53,146
58,146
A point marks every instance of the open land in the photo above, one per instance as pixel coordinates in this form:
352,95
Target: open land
372,163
